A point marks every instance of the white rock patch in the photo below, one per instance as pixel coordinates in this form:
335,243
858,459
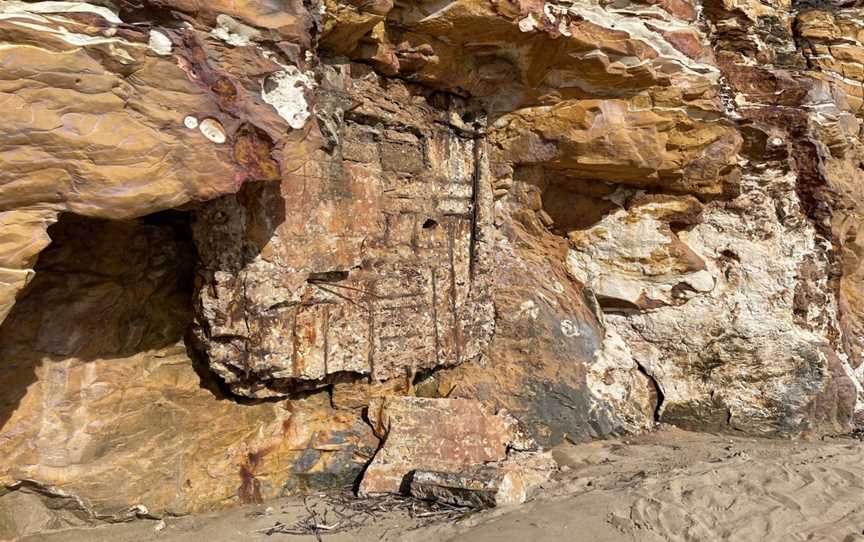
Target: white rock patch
739,324
159,43
614,380
527,309
528,24
213,131
288,95
15,6
569,329
630,255
47,17
233,32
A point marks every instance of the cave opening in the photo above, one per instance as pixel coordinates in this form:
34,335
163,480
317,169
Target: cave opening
103,289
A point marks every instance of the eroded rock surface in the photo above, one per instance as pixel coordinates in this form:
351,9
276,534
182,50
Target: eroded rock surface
591,215
103,405
449,437
369,261
747,287
508,482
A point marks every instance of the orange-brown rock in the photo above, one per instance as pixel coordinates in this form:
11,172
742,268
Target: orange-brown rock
104,403
536,50
112,120
228,228
445,435
289,21
368,262
61,98
617,141
22,237
546,362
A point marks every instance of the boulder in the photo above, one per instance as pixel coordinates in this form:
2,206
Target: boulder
509,482
444,435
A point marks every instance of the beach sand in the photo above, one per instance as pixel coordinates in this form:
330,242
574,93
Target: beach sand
668,485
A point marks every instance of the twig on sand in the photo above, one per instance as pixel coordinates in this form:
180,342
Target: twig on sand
353,512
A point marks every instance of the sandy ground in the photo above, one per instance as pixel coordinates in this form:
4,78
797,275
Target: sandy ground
669,485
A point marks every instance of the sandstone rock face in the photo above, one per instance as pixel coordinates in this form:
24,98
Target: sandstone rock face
443,435
104,405
227,229
22,237
117,120
369,261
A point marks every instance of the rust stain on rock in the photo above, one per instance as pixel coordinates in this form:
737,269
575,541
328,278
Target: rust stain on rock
253,150
250,487
226,92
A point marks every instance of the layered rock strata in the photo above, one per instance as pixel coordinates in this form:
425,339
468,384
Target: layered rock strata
227,229
369,261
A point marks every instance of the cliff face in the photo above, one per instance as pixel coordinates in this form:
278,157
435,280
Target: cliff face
229,226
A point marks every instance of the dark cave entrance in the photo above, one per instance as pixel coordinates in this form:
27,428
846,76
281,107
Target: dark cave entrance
103,289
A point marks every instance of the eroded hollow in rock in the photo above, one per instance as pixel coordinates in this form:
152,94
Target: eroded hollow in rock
568,203
103,289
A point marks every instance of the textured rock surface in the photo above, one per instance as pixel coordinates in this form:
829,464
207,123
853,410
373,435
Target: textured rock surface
268,216
443,435
369,261
22,237
508,482
102,402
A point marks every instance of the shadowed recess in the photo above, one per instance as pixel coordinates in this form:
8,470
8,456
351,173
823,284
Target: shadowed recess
102,289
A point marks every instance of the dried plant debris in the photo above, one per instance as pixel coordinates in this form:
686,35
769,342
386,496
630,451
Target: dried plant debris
337,512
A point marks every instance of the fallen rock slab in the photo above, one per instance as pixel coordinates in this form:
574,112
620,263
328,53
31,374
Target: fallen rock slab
511,482
476,489
454,450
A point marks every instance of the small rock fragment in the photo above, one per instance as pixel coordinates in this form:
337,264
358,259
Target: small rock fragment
476,488
510,482
190,122
212,130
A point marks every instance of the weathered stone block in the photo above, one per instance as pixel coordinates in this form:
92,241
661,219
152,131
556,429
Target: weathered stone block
512,481
447,435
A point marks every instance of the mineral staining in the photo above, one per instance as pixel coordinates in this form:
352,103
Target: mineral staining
595,216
